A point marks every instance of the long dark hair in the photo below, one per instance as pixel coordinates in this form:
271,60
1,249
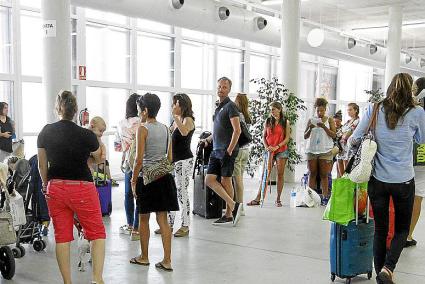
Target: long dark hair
271,121
2,106
242,104
185,104
131,106
399,99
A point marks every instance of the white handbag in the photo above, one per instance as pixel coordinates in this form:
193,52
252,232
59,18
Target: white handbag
17,209
360,166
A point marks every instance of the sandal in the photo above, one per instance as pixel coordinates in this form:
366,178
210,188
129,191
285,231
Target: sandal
182,232
278,203
137,262
161,266
253,203
386,276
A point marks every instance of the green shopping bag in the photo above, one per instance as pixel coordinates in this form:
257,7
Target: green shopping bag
340,208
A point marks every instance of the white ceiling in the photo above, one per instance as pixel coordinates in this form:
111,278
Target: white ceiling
358,16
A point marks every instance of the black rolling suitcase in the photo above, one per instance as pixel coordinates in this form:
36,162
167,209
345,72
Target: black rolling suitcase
206,203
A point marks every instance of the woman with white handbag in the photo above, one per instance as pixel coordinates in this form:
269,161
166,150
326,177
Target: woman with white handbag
395,124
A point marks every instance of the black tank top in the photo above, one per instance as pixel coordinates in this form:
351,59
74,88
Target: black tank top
6,143
181,145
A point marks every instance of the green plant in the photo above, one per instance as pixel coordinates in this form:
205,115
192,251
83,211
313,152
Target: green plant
270,91
375,96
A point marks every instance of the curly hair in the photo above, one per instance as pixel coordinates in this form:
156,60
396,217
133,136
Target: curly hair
321,102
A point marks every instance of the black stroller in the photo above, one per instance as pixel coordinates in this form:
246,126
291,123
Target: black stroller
30,233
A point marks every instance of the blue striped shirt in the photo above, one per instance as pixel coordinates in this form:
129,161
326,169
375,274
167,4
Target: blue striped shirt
394,157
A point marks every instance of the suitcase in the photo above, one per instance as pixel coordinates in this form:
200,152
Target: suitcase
206,203
351,247
104,189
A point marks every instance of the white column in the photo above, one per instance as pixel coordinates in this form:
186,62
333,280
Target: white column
290,38
56,51
393,44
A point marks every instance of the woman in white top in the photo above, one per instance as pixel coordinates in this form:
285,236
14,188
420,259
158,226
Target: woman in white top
320,131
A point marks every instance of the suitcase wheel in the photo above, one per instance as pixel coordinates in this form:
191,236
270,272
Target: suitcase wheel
109,209
369,275
348,281
333,277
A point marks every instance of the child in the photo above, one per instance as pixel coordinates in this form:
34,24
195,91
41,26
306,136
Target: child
98,126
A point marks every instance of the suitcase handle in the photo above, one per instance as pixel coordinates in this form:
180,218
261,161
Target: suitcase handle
357,206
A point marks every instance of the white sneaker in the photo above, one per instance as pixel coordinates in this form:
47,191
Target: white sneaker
242,210
126,230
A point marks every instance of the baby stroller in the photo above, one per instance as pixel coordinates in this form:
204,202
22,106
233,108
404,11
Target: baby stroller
29,233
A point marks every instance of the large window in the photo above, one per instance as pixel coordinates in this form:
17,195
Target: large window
5,40
203,109
31,3
353,80
230,64
153,26
328,82
106,16
164,114
107,51
308,80
33,107
155,60
6,90
259,68
31,43
197,60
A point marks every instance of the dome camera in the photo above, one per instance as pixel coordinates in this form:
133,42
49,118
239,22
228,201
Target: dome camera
223,13
177,4
260,22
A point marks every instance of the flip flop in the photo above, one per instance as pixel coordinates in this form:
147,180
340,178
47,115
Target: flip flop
278,203
135,261
161,266
253,203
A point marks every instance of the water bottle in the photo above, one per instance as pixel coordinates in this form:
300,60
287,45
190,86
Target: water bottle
293,202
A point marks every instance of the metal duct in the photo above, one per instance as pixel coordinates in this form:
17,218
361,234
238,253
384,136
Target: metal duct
202,15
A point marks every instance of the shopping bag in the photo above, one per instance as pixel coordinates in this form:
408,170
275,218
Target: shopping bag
17,209
340,208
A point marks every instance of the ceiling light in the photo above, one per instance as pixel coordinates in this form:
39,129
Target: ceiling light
223,13
260,22
316,37
407,58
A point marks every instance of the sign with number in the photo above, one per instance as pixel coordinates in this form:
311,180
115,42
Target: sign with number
82,72
49,28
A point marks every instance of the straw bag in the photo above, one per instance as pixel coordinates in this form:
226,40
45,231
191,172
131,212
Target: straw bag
7,231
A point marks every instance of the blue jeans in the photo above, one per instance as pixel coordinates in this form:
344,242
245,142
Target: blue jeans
131,211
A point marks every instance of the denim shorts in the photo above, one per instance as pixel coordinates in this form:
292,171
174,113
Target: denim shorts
282,155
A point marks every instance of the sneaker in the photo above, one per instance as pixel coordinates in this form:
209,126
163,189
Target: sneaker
236,213
223,221
242,210
126,230
325,201
114,183
182,232
410,243
135,236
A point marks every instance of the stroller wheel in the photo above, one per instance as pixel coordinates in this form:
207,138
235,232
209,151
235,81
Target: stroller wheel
22,249
7,263
38,245
16,253
44,244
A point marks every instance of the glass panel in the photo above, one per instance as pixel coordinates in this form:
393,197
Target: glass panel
30,146
379,79
259,68
31,43
328,82
197,35
5,40
230,64
197,62
107,54
304,116
155,60
153,26
107,103
164,114
308,80
229,41
259,47
114,158
203,109
33,107
74,48
106,16
354,79
31,3
6,95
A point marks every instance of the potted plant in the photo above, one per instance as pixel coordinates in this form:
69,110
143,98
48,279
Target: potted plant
375,96
270,91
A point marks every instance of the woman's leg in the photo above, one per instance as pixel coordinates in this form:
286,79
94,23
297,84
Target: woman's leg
340,168
161,218
144,236
403,197
63,258
379,198
98,258
325,167
417,205
129,200
313,166
281,163
185,201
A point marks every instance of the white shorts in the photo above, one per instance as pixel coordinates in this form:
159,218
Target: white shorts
420,190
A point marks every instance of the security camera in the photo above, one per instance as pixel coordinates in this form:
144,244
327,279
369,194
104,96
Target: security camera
372,49
407,58
351,43
177,4
223,13
422,63
260,22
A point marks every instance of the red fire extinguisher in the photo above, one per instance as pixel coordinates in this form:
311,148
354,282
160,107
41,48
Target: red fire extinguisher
84,117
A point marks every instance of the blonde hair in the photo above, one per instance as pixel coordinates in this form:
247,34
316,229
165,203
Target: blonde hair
97,121
242,103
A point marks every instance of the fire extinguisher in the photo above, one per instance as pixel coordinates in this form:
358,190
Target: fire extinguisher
84,117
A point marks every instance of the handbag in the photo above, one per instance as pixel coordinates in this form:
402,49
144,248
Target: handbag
159,169
360,165
245,137
17,209
7,231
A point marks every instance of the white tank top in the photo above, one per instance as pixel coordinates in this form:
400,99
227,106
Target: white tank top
319,141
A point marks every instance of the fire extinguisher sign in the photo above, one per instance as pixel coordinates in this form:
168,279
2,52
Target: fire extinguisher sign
82,72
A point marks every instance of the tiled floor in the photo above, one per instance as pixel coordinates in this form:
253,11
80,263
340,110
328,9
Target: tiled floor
270,245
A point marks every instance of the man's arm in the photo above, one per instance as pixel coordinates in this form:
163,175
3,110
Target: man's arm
236,125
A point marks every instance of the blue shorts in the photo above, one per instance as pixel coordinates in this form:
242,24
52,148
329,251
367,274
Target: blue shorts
280,155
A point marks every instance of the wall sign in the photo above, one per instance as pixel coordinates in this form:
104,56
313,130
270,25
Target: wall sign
82,72
49,28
